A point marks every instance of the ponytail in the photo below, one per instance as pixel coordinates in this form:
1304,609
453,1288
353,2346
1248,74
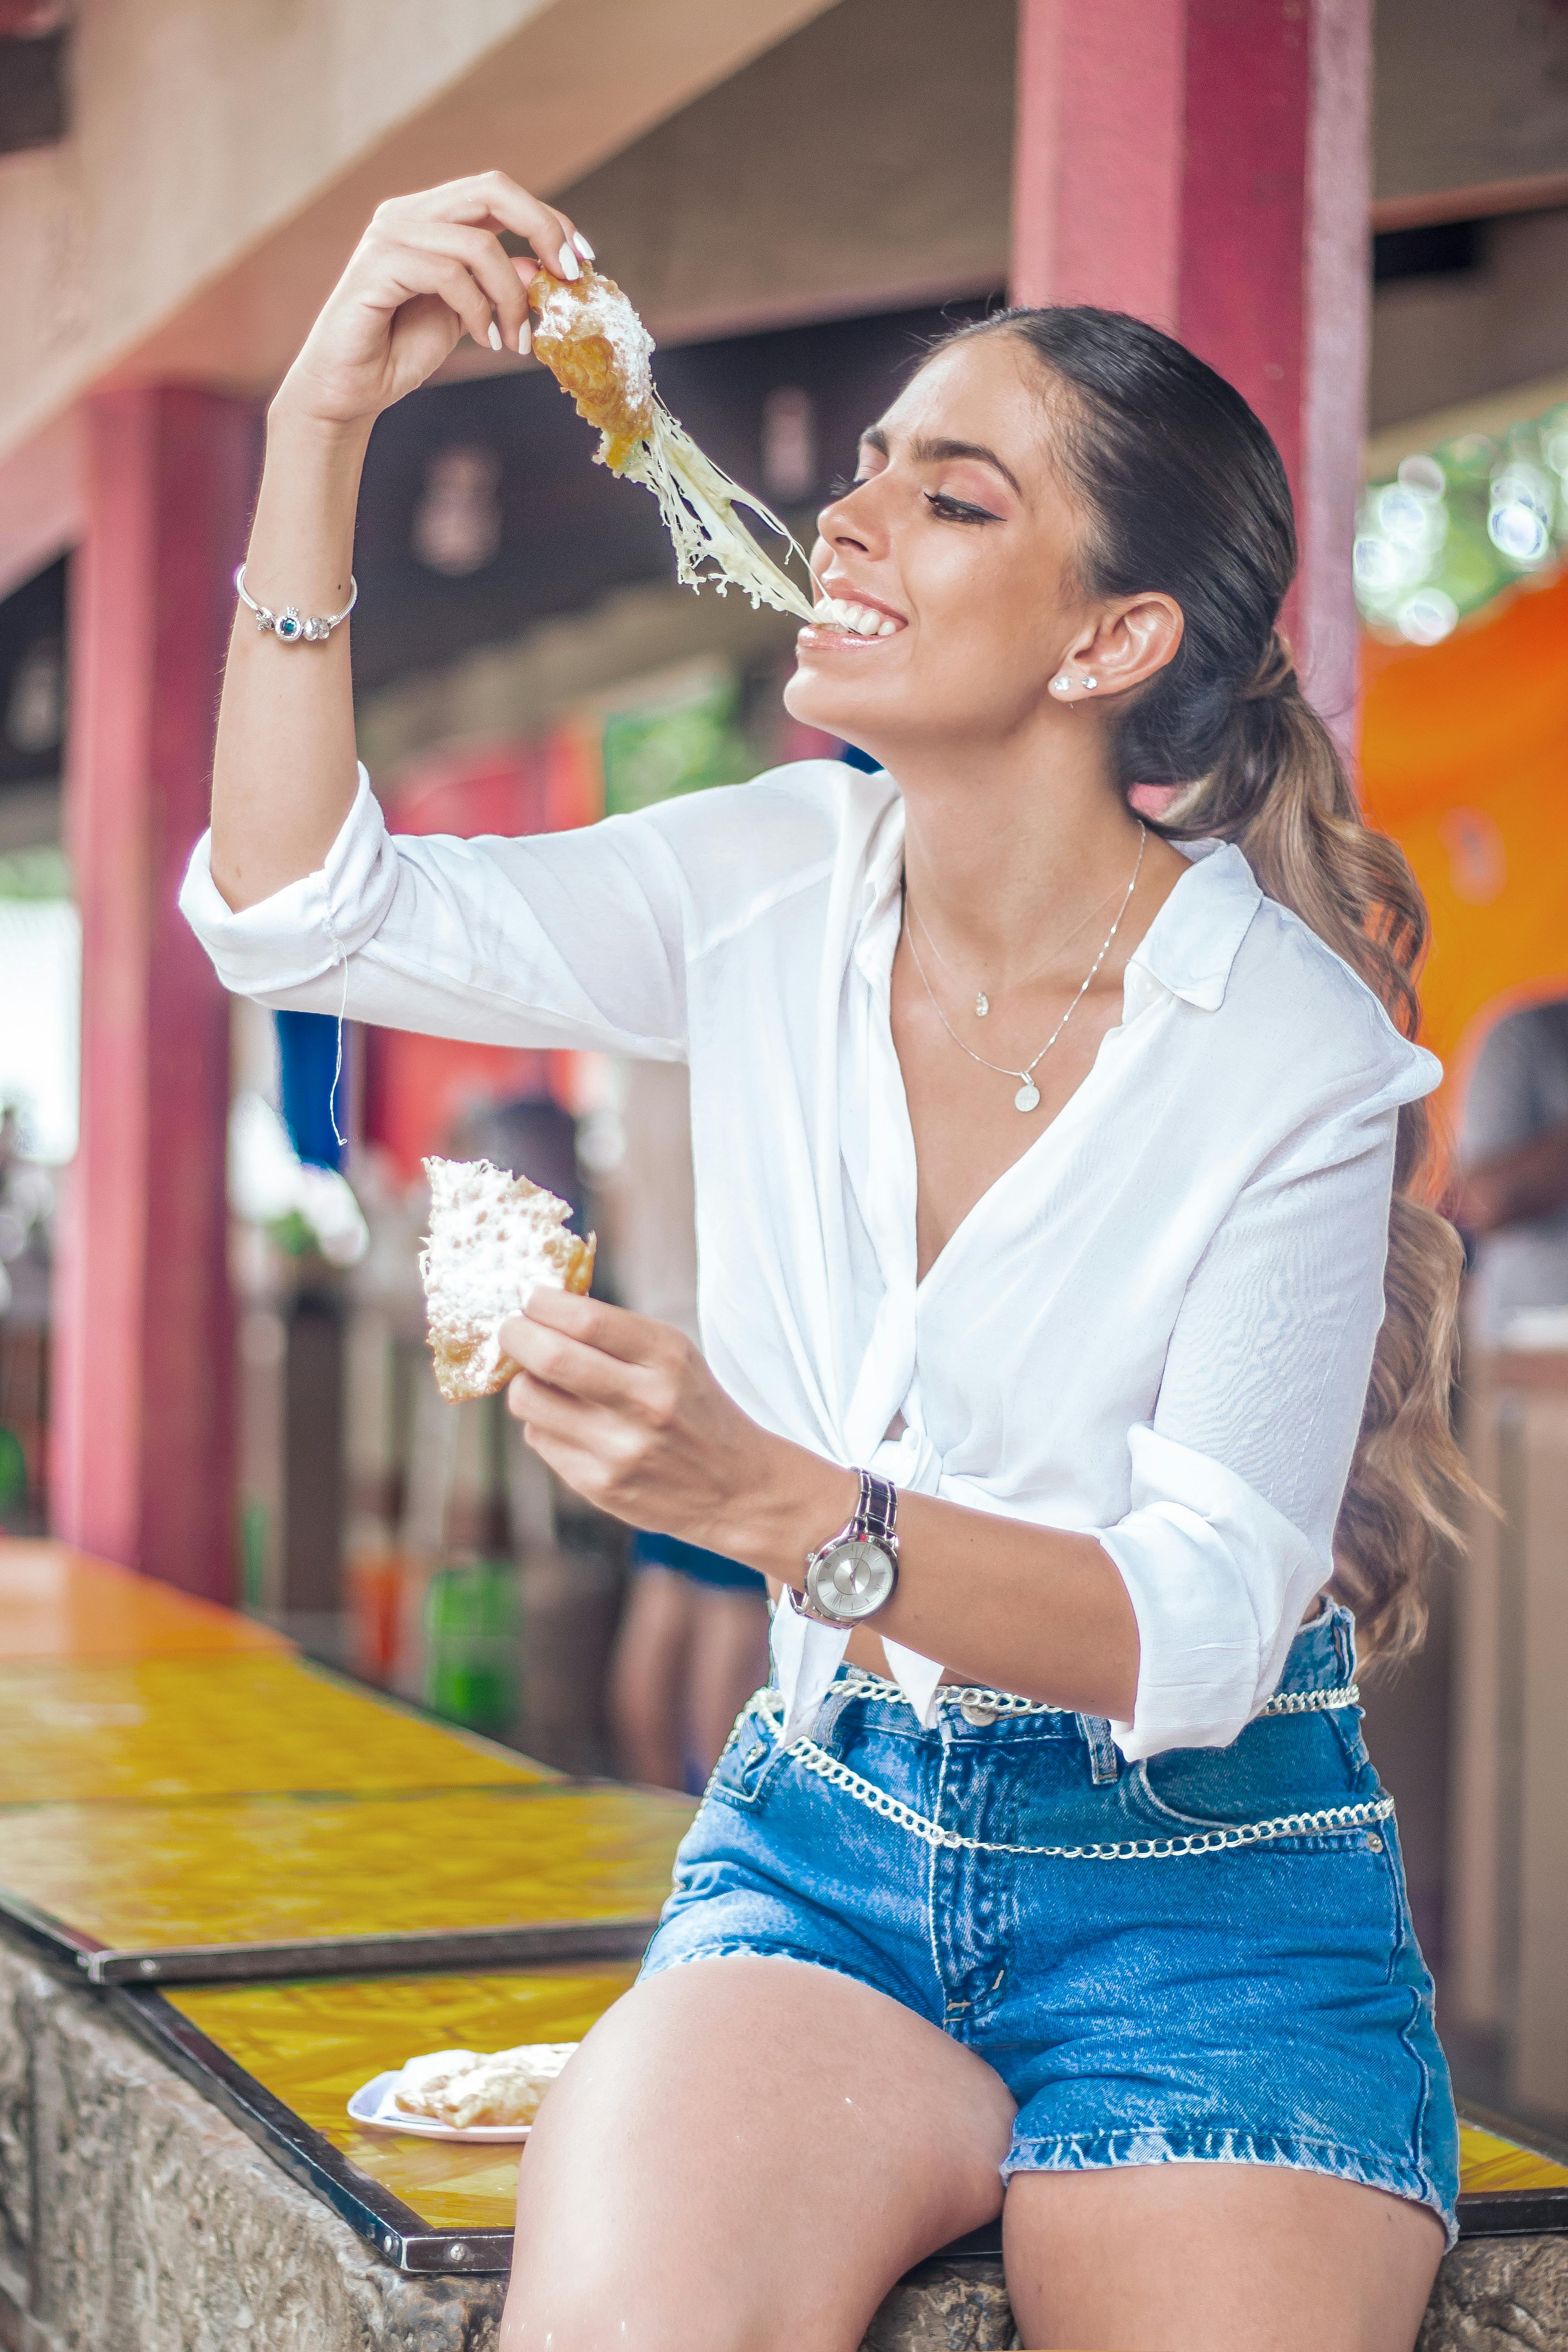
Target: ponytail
1182,491
1281,794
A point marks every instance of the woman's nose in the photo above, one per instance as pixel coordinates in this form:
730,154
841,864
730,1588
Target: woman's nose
844,522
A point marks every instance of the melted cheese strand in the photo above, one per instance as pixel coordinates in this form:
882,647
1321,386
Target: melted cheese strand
596,347
697,500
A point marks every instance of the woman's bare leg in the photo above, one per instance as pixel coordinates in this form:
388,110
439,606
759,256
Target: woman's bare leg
1215,2258
744,2157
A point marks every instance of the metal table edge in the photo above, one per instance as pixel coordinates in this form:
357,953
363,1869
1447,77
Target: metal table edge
622,1938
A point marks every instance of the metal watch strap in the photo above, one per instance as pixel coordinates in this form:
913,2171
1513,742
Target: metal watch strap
877,1511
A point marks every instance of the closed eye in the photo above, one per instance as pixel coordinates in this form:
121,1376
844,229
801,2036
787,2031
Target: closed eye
951,509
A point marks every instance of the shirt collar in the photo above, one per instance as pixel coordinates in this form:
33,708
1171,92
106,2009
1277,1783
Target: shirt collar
1191,944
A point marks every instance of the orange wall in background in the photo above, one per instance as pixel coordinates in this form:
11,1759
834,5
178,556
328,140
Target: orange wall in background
1464,761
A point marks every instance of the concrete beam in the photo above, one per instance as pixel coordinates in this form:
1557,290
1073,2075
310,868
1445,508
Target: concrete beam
205,251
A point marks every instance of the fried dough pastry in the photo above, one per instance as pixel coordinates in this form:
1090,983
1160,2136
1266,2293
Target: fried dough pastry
463,2089
492,1238
597,349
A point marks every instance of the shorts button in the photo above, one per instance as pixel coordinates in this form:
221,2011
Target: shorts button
1373,1843
974,1711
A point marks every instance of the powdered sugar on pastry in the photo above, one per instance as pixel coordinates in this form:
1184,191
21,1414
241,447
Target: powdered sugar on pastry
492,1238
462,2089
594,344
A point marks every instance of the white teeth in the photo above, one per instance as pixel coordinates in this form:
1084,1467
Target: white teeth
858,620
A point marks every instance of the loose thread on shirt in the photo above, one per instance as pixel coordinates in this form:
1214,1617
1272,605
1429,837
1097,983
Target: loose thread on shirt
338,1136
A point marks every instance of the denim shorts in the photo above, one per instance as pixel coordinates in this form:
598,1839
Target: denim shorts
1205,1956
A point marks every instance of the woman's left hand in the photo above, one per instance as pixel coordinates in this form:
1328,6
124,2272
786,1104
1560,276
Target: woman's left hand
625,1411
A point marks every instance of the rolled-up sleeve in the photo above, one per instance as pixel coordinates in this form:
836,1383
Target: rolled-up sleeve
1238,1479
556,939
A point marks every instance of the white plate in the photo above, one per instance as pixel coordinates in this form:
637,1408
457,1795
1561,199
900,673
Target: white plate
372,2105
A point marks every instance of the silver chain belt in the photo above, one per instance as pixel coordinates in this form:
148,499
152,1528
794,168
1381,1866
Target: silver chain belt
806,1752
812,1758
862,1685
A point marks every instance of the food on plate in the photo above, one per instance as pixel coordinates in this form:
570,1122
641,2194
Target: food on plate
493,1237
465,2089
592,340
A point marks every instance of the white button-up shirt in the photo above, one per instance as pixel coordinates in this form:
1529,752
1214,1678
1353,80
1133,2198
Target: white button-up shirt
1156,1327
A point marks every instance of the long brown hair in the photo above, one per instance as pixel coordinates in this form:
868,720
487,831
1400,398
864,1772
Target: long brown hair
1184,491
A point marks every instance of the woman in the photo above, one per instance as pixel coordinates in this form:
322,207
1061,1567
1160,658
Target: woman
1044,1180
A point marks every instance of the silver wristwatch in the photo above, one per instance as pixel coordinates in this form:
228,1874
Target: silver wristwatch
855,1572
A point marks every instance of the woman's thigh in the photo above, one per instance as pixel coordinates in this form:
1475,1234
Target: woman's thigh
746,2153
1215,2258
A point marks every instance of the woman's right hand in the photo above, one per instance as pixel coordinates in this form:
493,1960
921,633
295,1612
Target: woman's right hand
429,268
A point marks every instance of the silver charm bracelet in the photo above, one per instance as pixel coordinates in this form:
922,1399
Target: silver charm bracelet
288,626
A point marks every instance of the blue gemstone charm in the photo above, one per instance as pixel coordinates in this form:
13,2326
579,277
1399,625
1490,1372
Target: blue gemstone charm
289,625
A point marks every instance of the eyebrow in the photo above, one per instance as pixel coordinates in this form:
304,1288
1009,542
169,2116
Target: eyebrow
939,452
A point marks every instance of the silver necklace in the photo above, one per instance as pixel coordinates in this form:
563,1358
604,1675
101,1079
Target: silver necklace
982,1001
1028,1095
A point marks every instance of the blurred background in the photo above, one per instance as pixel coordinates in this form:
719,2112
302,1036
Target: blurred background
212,1360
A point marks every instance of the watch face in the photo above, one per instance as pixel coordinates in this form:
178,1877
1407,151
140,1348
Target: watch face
851,1579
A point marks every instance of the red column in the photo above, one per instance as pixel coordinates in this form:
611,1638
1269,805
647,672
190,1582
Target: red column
1206,164
142,1440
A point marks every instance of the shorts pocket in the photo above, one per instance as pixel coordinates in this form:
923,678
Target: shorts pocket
1295,1780
745,1770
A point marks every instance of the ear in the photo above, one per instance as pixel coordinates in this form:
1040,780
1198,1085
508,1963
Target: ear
1127,642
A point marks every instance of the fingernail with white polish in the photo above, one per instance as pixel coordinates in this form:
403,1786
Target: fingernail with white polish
582,244
525,338
496,343
568,264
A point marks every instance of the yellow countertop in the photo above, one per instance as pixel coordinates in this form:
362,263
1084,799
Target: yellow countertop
278,1869
314,2045
244,1723
58,1602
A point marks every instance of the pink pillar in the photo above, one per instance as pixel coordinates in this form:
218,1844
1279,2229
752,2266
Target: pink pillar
1206,164
142,1440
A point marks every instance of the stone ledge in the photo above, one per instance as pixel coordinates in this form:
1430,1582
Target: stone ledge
132,2213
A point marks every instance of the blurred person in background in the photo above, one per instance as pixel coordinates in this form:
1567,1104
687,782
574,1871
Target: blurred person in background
693,1640
1510,1200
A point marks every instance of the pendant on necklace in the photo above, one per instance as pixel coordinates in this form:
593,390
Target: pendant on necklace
1028,1096
982,1004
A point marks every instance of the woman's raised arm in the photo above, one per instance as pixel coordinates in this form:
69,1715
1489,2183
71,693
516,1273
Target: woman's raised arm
428,269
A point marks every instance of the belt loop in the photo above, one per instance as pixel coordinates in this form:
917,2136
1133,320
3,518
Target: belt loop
1104,1762
837,1699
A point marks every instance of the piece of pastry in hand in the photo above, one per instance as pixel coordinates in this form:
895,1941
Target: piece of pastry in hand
462,2089
493,1238
597,349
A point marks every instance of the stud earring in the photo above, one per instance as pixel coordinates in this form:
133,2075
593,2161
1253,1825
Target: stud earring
1061,685
1090,684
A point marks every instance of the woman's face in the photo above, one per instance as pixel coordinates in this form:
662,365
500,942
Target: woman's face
958,527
